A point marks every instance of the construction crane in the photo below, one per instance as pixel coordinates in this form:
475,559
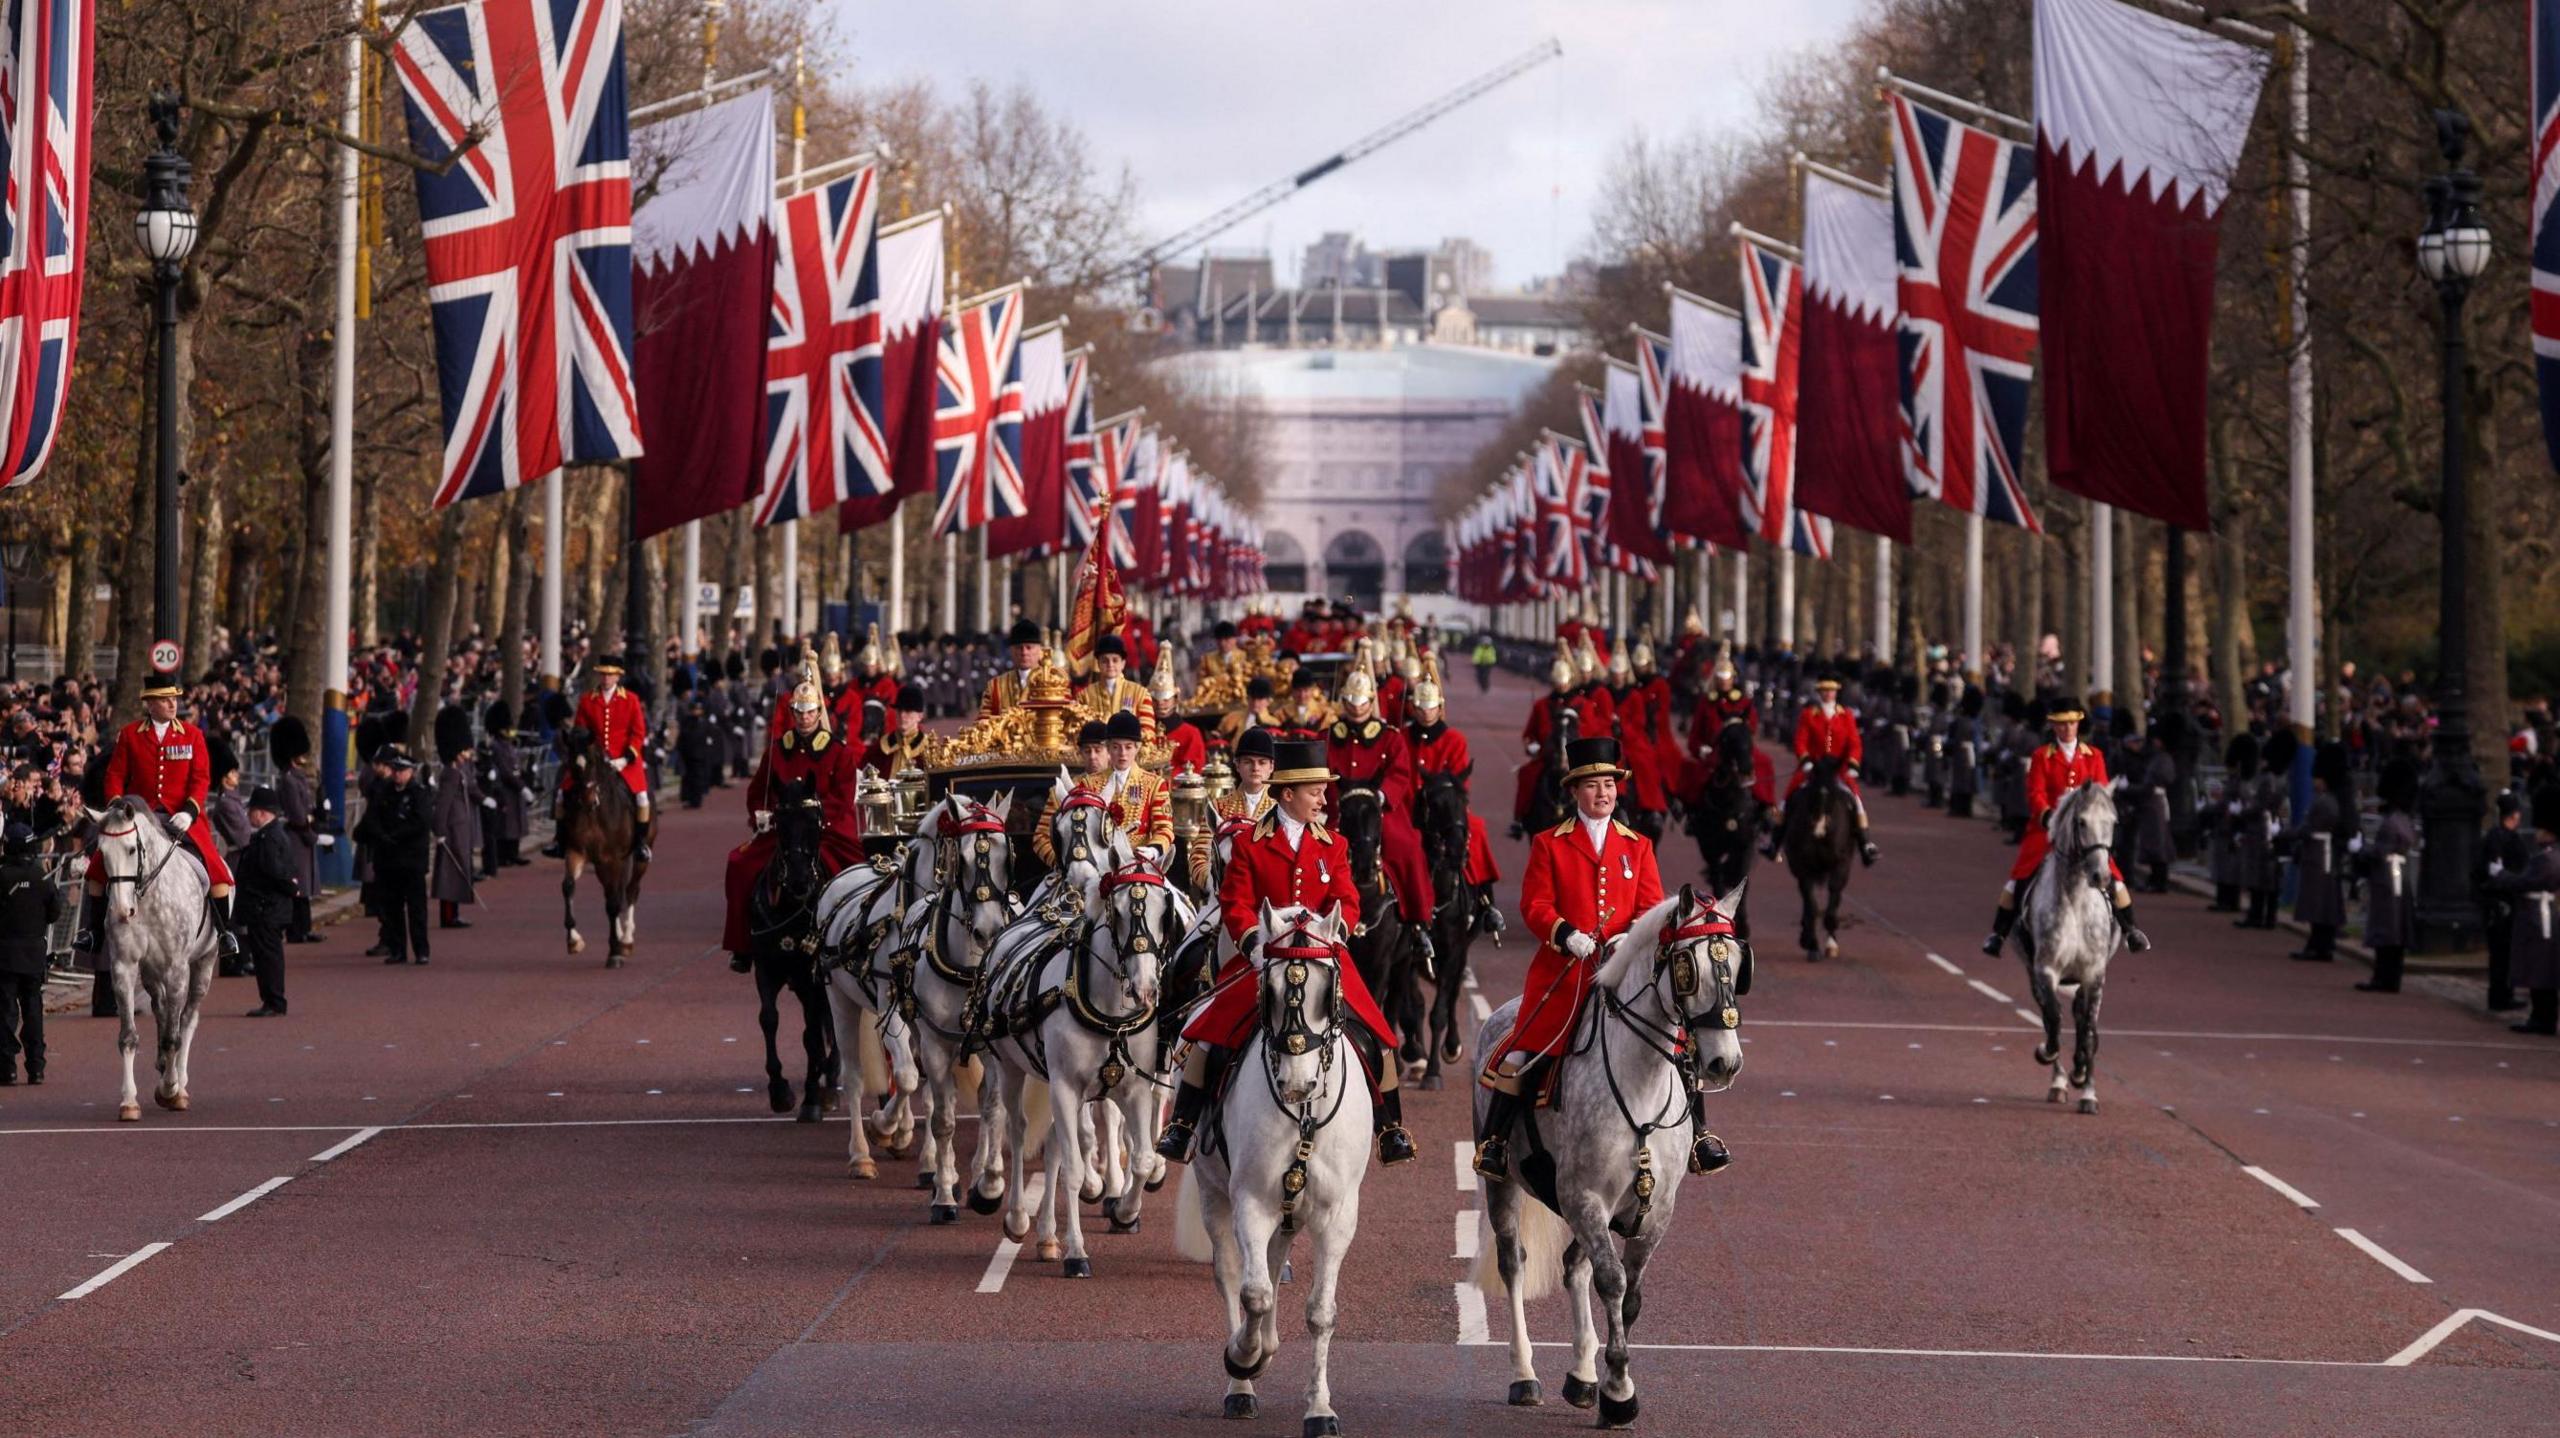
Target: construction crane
1269,195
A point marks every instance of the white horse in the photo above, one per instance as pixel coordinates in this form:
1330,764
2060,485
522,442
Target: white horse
1618,1137
2071,920
1080,988
1286,1151
946,933
158,939
857,926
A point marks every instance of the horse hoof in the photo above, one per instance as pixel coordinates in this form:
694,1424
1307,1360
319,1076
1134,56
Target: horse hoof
613,961
2088,1105
2045,1056
780,1097
2079,1078
1616,1414
2053,1094
1111,1210
946,1213
808,1112
1077,1268
1049,1250
1240,1372
864,1168
577,945
1580,1392
1326,1427
1014,1235
129,1113
1431,1083
980,1203
1525,1393
1242,1405
1089,1196
1157,1183
1831,948
176,1101
924,1180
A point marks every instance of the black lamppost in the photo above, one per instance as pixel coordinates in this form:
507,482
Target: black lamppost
166,229
13,559
2452,252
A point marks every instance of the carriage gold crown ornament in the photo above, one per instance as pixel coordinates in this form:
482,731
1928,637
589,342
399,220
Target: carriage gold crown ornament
876,803
1218,780
1190,805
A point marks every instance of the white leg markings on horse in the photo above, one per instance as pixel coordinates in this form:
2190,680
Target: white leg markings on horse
244,1200
1471,1325
1463,1241
2292,1194
118,1269
1463,1154
2383,1256
992,1281
1988,992
1482,1010
360,1136
1941,961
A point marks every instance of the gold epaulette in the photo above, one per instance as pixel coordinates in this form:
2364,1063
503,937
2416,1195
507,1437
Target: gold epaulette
1566,828
1620,826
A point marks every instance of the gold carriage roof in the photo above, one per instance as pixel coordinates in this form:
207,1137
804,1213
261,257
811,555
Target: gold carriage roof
1040,732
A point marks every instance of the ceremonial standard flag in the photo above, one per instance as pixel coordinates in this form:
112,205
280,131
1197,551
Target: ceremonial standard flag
1042,523
1964,222
528,234
1697,372
44,228
1635,472
701,278
1848,454
977,415
824,378
1101,607
2545,46
1772,341
2139,121
910,267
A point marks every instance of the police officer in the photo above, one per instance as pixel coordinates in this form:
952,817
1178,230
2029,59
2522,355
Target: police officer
269,884
30,902
399,832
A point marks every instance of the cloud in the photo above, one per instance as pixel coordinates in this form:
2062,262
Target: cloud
1208,101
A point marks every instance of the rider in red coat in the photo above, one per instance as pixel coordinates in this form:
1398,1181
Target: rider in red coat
1538,735
1725,701
1828,729
1441,749
620,724
1289,860
810,753
1589,879
1647,782
1363,751
2055,770
166,762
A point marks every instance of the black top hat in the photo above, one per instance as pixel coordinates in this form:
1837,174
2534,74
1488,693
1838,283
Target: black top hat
265,798
1593,758
2062,708
1299,761
1022,632
1093,732
1124,725
911,697
1256,743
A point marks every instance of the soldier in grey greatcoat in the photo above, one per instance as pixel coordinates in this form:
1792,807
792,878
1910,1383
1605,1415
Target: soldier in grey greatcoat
2318,840
2387,862
289,742
2534,942
2260,820
2150,772
454,816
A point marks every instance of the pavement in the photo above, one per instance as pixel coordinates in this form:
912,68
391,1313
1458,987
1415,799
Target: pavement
516,1192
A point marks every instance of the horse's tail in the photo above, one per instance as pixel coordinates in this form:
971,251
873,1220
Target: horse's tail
1190,1229
1543,1240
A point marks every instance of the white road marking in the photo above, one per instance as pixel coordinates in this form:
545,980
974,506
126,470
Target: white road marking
1988,992
1471,1324
1463,1154
992,1281
360,1136
113,1271
2292,1194
1941,961
2383,1256
1482,1010
2029,1016
244,1200
1463,1234
1844,1025
2427,1341
1988,1353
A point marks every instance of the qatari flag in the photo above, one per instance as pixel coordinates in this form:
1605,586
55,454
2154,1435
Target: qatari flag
1702,490
701,283
2139,121
911,338
1849,385
1635,498
1042,522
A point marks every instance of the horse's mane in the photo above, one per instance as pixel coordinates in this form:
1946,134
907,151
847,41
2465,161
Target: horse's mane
1640,937
2066,810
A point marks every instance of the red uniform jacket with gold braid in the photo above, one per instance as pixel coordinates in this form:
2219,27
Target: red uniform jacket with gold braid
1829,736
172,773
1716,710
1441,749
1369,751
2049,777
1262,868
834,766
621,726
1569,889
1143,812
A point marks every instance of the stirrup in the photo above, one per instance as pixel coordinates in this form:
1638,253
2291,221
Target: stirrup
1493,1157
1708,1153
85,942
1395,1146
1174,1144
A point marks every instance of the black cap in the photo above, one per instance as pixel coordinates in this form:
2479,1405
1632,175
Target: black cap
1258,687
1023,632
265,798
1124,725
18,838
1093,732
1225,629
1256,743
1110,644
400,762
1304,678
2508,803
911,698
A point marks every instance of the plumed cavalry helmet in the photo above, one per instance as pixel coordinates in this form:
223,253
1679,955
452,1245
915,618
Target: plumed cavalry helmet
1587,659
1360,686
1426,689
1562,673
810,696
1690,623
831,659
1161,686
1621,668
1642,657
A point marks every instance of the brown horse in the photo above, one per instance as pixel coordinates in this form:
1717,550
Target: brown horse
599,826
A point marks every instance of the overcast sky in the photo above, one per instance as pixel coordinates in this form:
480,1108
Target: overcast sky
1209,100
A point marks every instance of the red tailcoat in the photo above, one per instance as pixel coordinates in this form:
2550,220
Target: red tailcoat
172,773
1716,710
620,726
1635,746
1263,869
1391,700
1439,749
835,767
1535,735
2049,777
1190,750
1828,736
1569,889
1368,752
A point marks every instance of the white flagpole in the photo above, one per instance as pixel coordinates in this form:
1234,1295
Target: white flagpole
2102,597
2304,646
897,566
1741,598
692,588
950,583
1974,662
554,560
1884,600
342,426
1787,596
978,609
799,165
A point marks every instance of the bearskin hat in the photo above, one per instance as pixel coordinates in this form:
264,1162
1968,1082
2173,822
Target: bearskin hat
2397,785
453,732
288,740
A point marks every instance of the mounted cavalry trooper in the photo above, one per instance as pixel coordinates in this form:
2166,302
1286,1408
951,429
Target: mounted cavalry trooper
164,761
1289,860
807,751
1538,733
1008,689
620,724
2055,770
1828,729
1589,878
1439,748
1364,752
1134,797
1724,702
1111,690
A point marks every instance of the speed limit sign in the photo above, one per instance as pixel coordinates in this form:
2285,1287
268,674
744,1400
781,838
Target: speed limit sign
164,655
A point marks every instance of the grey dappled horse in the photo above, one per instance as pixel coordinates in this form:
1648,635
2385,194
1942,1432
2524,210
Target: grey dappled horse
2071,920
157,940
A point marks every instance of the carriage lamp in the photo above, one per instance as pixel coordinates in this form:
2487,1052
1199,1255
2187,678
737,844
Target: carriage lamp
1190,805
877,803
1218,780
911,798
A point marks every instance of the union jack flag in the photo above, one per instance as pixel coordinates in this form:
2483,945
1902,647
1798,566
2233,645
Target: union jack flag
1964,226
1115,445
1772,323
2545,46
528,235
824,440
1653,389
977,415
44,227
1562,478
1083,496
1597,484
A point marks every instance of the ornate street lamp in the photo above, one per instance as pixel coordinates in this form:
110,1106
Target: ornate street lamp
2452,253
13,562
166,229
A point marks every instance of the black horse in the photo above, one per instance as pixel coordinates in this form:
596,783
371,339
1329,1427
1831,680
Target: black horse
1727,818
1455,913
1548,803
782,936
1382,946
1820,844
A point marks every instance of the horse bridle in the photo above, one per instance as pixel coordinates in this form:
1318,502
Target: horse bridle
1079,848
1674,959
1287,1030
141,882
804,905
1138,938
981,821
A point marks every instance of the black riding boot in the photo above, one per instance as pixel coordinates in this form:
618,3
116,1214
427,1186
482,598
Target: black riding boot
1174,1144
1394,1144
1707,1152
741,964
93,919
1493,1135
2003,919
226,945
2134,938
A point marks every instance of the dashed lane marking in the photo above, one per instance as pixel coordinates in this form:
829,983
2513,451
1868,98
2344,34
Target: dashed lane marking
1463,1234
998,1266
1482,1010
1988,992
2383,1256
361,1136
113,1271
244,1200
1941,961
1463,1154
2292,1194
1472,1331
2029,1015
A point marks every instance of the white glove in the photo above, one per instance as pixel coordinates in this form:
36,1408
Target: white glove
488,802
763,820
528,795
2356,844
1581,946
2497,867
2233,808
181,821
620,763
328,841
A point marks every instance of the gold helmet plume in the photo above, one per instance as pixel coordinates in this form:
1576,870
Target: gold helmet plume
1690,623
1360,686
1162,686
1426,690
831,658
870,657
811,695
1587,658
